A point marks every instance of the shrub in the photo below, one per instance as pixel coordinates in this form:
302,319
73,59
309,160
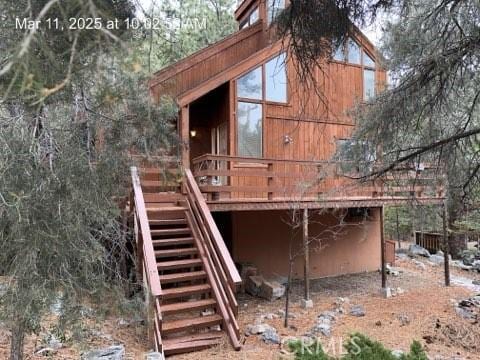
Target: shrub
358,347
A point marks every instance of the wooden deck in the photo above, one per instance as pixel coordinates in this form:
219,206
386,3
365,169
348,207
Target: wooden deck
235,183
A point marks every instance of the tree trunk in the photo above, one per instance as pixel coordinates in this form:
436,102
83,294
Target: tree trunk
398,229
17,342
287,292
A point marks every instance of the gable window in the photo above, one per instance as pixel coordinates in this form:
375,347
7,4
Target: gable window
249,129
274,8
368,84
250,19
276,79
339,53
354,56
249,86
368,61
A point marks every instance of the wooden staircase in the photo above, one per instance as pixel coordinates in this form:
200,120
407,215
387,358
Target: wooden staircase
185,265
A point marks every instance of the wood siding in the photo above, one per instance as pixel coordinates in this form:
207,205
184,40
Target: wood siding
208,62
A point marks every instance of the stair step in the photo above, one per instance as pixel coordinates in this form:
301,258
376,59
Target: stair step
178,264
156,208
173,242
184,231
185,291
183,344
185,306
175,252
168,222
173,326
179,277
166,213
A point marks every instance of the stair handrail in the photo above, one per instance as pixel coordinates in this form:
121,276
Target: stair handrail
228,265
223,282
149,259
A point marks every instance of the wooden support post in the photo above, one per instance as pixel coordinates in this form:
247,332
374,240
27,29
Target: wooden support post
446,246
382,239
270,181
185,136
307,254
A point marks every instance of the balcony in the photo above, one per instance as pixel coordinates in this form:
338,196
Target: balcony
236,183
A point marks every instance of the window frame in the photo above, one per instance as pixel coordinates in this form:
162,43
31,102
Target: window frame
262,118
274,14
247,20
363,52
263,102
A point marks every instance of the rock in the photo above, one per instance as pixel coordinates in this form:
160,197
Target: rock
357,310
323,328
330,315
392,271
378,323
154,356
271,290
281,313
419,264
271,316
465,313
116,352
386,292
476,266
45,351
476,282
257,329
461,265
397,354
404,319
253,284
416,250
270,336
247,270
54,343
400,291
437,259
341,300
306,304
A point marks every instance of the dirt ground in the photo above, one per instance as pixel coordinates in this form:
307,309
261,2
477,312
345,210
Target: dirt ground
425,303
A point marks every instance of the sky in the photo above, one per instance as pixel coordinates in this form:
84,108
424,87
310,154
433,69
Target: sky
373,32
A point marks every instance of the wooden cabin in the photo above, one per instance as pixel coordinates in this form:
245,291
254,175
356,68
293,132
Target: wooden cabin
259,160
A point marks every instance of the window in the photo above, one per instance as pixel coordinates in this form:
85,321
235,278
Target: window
249,129
249,86
274,8
353,52
355,156
254,16
276,79
250,19
368,61
368,84
339,53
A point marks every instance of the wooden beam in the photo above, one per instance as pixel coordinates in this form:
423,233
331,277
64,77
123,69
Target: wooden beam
382,240
185,135
306,254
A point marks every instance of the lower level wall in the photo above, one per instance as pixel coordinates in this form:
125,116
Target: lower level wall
339,244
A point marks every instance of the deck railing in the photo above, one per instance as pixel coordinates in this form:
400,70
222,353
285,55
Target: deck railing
219,264
147,264
229,177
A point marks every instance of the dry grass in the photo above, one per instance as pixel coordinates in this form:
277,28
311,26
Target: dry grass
426,303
